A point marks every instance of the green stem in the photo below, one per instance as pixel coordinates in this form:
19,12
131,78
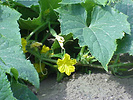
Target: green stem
117,58
82,51
42,58
60,76
56,23
110,66
46,36
37,30
48,64
36,36
121,64
90,65
50,60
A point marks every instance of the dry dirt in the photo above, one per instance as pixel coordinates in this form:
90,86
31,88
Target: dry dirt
96,86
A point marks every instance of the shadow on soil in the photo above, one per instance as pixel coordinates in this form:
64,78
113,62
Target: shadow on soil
97,86
125,84
49,89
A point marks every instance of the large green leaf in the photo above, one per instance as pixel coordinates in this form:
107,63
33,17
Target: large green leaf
126,44
101,2
22,92
27,2
89,9
71,1
26,12
32,12
47,9
30,24
5,90
104,2
47,14
106,26
11,54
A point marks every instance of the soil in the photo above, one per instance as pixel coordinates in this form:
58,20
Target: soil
98,85
95,86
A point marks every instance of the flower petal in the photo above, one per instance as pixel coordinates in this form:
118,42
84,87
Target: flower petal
61,69
66,64
60,62
69,70
73,62
45,49
66,57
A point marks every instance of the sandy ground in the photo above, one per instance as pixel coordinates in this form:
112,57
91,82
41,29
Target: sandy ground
96,86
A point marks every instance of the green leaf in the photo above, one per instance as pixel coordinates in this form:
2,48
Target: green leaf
11,54
56,47
101,2
5,90
71,1
26,12
22,92
126,44
30,24
47,9
15,73
47,14
27,2
106,26
89,9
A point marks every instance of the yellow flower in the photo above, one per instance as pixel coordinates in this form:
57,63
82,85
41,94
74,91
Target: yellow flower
35,44
24,43
45,49
66,64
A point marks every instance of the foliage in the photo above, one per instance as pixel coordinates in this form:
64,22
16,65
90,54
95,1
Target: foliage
5,90
126,45
11,55
38,38
100,32
21,92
